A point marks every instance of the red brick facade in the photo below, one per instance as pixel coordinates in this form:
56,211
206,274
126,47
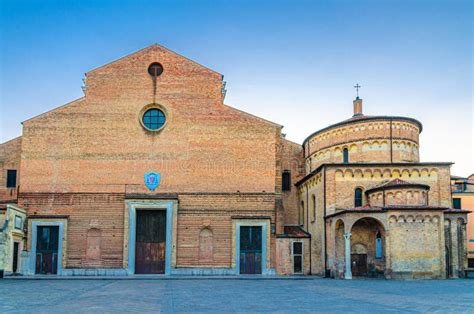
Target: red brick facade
82,160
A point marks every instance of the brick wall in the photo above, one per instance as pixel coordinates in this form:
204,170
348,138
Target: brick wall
214,212
10,156
85,211
284,264
84,158
97,144
342,181
416,244
292,160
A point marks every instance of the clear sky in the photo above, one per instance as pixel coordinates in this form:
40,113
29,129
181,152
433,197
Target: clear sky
292,62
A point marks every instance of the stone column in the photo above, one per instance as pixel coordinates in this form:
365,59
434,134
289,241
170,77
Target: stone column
454,249
348,264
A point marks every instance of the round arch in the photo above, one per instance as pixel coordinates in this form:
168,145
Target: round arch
339,247
368,243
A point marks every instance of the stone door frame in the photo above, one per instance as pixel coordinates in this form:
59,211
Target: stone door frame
171,222
34,239
265,253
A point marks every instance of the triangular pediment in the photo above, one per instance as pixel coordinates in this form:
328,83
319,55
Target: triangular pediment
154,50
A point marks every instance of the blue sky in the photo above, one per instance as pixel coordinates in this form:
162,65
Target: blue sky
292,62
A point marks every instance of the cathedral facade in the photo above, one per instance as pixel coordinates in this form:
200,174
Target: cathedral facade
151,173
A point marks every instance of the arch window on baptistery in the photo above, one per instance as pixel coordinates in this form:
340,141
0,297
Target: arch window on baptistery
345,155
358,197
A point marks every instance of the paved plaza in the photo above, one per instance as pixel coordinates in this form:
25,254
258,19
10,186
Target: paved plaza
235,295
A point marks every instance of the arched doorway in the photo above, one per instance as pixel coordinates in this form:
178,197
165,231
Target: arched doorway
448,242
339,249
368,248
448,263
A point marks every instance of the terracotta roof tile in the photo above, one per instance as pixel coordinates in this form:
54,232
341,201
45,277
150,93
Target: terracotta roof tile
397,183
294,231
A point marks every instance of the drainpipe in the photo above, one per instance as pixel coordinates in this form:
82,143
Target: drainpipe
324,225
383,198
310,257
307,208
307,223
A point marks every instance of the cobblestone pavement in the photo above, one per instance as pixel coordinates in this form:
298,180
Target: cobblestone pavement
234,295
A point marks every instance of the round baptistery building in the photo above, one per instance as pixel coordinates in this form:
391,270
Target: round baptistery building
363,139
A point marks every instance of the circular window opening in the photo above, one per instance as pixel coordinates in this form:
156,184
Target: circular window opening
154,119
155,69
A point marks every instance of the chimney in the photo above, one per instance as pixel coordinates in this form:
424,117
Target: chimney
358,107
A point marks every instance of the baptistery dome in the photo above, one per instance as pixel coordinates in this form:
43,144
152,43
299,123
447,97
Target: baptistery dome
364,139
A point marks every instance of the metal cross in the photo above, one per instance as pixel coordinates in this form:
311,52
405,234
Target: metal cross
357,86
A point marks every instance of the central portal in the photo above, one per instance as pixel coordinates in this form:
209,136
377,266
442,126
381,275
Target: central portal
150,248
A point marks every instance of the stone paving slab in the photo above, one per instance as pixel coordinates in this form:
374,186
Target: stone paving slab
236,296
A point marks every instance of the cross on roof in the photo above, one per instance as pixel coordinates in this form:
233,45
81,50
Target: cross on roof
357,86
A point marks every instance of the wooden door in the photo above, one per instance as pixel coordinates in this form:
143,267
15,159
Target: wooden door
47,250
359,264
297,257
16,248
250,250
150,247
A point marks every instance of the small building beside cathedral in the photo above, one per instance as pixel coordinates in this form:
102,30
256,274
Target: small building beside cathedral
151,173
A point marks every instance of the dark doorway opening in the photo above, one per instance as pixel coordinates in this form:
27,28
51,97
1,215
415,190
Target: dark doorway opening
16,249
150,247
448,263
47,250
297,257
250,250
359,264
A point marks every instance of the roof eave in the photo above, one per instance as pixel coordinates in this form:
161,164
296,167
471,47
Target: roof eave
365,118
